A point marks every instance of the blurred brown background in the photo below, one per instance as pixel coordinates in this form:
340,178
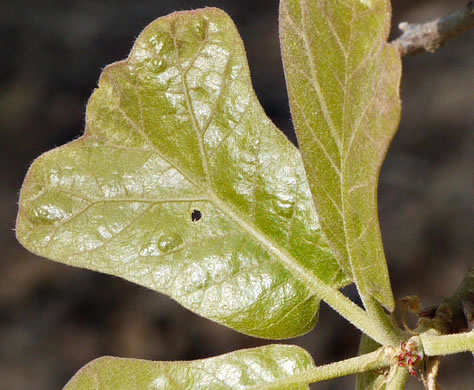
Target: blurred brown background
54,319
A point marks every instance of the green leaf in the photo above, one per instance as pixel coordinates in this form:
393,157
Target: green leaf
183,185
343,82
270,367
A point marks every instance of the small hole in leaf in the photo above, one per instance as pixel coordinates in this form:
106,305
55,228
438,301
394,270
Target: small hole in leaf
196,215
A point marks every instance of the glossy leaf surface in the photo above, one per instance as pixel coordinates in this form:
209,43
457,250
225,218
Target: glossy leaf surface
276,367
343,83
182,184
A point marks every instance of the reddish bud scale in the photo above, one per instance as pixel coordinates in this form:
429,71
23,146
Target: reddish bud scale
409,357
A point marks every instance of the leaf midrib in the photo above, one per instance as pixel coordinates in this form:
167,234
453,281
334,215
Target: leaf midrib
343,149
309,279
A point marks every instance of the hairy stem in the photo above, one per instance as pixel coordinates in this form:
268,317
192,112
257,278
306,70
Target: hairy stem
398,380
382,320
355,365
431,36
359,317
434,345
368,362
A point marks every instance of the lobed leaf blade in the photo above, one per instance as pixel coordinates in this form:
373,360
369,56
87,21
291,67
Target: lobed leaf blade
175,130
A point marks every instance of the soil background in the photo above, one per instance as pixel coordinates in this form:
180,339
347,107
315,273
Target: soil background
54,318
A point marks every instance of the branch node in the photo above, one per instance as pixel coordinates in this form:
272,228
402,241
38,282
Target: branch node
432,35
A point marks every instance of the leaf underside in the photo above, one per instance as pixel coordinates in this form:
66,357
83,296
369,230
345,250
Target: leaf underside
183,185
279,367
343,82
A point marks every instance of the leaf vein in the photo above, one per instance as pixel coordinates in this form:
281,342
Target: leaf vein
314,75
190,109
